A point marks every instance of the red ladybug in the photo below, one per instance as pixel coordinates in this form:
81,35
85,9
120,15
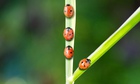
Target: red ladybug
84,64
68,52
68,11
68,34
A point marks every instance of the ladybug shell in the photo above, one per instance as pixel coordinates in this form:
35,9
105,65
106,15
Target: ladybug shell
68,11
68,34
68,52
84,64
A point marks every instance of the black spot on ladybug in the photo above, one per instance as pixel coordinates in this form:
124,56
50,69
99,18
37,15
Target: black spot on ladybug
70,10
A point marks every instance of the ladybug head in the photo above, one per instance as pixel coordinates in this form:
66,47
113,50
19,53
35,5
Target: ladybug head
68,28
88,60
69,47
68,5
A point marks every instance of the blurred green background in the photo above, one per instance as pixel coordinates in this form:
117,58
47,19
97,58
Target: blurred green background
32,44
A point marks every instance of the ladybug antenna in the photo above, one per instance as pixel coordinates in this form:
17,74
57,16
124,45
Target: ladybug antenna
68,5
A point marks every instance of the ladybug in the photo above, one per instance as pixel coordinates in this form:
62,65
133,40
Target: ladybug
68,11
84,64
68,34
68,52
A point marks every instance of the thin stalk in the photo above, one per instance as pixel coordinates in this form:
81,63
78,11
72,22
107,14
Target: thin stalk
70,22
114,38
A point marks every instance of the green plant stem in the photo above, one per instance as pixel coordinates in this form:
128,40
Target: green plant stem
114,38
70,22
